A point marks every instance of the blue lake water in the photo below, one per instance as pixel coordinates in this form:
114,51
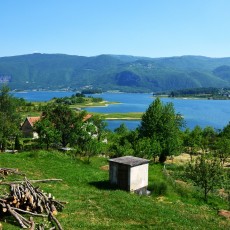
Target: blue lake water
215,113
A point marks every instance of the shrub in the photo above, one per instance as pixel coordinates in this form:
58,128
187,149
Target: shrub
159,188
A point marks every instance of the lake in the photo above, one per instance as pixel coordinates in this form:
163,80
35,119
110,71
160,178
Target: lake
215,113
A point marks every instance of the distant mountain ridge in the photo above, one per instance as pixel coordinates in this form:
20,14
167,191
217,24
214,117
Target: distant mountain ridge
113,72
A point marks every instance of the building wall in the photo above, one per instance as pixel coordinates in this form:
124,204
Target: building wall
139,177
27,130
128,178
113,172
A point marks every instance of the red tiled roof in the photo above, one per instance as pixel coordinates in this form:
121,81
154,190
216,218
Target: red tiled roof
32,120
87,117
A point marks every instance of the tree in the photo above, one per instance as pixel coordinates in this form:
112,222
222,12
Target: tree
121,141
9,118
227,186
193,140
65,121
92,148
161,124
205,173
122,129
226,131
146,147
222,149
99,125
46,132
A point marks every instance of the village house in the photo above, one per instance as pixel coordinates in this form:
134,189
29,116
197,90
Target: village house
27,127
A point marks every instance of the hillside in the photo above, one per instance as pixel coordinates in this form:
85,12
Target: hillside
113,72
93,204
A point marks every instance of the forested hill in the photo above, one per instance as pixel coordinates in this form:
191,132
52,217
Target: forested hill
113,72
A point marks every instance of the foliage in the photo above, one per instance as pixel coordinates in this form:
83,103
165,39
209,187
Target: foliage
78,98
9,119
159,188
222,149
205,173
47,132
201,92
121,141
161,124
227,186
60,122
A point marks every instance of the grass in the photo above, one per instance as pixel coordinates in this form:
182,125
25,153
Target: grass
94,204
121,116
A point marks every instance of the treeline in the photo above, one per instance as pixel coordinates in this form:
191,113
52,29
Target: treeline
78,98
91,91
212,93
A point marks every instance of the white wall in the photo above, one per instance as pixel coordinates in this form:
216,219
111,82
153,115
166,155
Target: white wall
139,177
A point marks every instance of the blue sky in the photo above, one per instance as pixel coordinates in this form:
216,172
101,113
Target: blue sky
152,28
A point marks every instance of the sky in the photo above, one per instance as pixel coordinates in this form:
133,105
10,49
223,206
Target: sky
150,28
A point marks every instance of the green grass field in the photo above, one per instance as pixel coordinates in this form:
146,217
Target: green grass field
94,204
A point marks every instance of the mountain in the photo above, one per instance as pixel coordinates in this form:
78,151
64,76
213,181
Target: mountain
113,72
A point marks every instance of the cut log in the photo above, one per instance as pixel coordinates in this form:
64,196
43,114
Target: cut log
24,198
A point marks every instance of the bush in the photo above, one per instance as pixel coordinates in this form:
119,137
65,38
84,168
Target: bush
159,188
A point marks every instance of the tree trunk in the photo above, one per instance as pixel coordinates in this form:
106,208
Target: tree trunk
162,158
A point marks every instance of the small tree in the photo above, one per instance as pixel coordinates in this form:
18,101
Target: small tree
227,186
65,121
161,123
46,132
192,140
146,147
222,149
205,173
9,118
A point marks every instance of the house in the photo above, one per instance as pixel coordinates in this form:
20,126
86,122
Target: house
27,127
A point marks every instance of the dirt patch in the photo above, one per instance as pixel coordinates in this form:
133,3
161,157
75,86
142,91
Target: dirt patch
181,159
105,167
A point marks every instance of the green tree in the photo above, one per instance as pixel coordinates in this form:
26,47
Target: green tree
205,173
227,186
92,148
122,129
208,138
161,123
47,132
226,131
121,141
65,121
9,118
222,149
193,140
99,125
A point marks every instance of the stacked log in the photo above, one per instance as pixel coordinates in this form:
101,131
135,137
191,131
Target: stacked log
24,198
7,171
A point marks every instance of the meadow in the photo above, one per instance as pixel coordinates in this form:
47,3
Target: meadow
92,203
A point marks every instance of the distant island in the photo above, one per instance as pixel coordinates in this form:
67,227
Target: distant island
203,93
113,73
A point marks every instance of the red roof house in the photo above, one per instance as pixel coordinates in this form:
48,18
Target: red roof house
28,127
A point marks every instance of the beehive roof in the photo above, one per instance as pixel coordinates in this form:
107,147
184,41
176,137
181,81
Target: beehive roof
130,160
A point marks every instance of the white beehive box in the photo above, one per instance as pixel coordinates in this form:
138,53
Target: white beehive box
129,173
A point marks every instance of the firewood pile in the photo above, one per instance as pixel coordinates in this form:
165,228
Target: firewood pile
26,202
7,171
